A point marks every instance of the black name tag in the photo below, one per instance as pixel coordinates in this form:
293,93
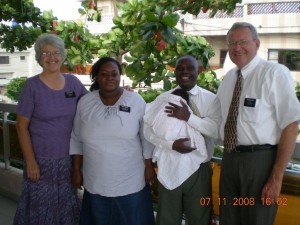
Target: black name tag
70,94
124,108
250,102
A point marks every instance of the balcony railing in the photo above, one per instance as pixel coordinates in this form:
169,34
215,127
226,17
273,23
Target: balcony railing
11,171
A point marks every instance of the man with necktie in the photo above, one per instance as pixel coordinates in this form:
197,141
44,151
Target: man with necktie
257,113
266,126
184,174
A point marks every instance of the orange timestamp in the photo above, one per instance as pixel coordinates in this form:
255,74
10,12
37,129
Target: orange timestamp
242,201
236,201
280,201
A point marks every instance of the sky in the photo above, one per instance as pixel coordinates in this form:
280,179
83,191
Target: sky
62,9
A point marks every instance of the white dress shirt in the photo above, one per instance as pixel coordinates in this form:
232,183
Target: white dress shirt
173,167
267,104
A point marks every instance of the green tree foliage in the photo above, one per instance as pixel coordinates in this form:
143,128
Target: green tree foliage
297,90
14,88
30,23
145,38
150,94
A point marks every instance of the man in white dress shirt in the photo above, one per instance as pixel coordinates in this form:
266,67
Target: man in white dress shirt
266,125
185,196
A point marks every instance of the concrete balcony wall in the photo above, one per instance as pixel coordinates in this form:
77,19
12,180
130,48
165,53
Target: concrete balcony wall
10,182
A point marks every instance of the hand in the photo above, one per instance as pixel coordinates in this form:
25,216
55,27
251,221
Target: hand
33,170
181,146
271,190
179,112
77,179
150,175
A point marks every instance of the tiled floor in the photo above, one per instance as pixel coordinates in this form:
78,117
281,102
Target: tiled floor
7,210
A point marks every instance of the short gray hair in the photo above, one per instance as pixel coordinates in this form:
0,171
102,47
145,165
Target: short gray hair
49,39
238,25
189,57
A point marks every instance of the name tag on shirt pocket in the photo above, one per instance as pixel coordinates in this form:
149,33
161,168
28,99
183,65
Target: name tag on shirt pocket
250,110
249,102
124,108
70,94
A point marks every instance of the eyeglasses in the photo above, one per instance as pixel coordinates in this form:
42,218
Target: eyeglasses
49,54
240,43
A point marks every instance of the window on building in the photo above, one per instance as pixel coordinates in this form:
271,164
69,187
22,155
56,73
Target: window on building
6,75
4,59
22,58
223,54
105,9
289,58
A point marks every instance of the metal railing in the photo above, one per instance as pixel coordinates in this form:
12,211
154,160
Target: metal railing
13,188
7,108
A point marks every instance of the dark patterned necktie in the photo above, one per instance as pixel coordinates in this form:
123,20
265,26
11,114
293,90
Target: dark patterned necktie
230,130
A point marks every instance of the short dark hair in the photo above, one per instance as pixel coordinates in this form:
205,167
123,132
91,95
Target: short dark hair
97,66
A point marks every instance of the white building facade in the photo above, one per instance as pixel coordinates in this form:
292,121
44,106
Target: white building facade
278,25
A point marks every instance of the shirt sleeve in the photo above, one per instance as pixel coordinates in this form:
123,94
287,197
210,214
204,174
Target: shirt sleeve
80,89
26,101
209,125
76,145
285,99
147,146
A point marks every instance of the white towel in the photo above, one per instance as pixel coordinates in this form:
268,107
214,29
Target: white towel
173,167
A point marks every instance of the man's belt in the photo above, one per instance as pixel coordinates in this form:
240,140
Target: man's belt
254,148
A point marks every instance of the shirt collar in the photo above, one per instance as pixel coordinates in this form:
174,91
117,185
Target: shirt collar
246,70
193,91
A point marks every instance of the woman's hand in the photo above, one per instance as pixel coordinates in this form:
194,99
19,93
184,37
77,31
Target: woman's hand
77,179
150,175
33,170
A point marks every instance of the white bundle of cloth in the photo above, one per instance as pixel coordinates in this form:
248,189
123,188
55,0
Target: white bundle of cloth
173,167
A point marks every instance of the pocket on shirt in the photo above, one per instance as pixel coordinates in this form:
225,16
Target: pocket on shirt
250,113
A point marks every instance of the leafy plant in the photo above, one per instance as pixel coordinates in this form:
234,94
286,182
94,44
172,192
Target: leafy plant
14,88
218,151
150,94
146,38
13,91
209,81
297,90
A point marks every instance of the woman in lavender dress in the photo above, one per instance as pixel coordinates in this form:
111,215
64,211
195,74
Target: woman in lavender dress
45,113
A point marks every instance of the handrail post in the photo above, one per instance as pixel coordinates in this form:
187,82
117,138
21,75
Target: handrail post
6,141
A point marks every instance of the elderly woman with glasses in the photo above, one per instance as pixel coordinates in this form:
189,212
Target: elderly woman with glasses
45,113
